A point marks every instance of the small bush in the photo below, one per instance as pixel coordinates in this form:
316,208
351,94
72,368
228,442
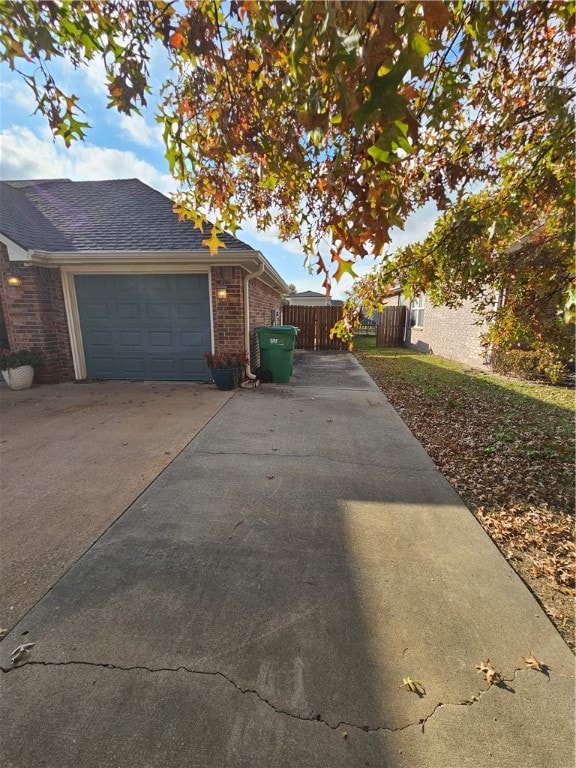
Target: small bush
531,365
17,358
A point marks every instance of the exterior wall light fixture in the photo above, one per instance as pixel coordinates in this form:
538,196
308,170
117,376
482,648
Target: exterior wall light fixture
222,290
14,280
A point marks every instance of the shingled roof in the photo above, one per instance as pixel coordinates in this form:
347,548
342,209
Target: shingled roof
60,215
308,295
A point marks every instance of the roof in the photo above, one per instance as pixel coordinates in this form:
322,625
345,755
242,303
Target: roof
59,215
315,295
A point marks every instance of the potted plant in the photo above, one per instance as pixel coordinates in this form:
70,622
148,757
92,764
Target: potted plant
18,367
227,368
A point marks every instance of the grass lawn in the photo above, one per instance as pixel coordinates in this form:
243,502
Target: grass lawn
507,447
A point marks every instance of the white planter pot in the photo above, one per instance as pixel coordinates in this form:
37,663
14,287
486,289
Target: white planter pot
19,378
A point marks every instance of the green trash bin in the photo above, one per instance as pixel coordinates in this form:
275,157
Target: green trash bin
277,344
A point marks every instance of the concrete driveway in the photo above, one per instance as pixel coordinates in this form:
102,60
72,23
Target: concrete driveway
260,604
73,458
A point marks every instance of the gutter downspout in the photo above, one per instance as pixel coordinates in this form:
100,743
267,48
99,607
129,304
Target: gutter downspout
247,280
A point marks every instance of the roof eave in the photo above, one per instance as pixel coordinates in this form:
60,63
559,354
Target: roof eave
222,258
16,252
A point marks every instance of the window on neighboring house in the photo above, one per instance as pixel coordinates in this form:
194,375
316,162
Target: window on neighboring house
417,313
499,299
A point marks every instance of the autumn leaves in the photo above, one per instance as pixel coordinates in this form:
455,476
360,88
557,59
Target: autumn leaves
486,668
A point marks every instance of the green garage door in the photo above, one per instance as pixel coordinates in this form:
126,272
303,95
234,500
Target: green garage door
145,326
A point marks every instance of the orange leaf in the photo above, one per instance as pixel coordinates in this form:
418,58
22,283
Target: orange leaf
177,40
15,45
436,14
408,92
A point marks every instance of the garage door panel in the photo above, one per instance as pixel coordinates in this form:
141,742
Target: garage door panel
135,366
145,326
189,311
192,340
128,311
157,312
97,311
100,339
161,338
192,367
165,367
106,365
130,338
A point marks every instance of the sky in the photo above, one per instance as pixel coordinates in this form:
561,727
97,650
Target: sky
117,146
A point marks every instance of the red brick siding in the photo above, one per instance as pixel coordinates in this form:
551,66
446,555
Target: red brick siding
263,301
228,313
36,319
451,333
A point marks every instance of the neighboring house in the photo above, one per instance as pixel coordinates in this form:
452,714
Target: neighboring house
451,333
311,299
105,281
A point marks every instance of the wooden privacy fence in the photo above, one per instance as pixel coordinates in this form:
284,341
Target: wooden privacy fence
315,324
391,327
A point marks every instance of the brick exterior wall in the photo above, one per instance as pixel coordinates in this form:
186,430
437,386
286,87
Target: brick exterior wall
451,333
228,313
263,301
35,318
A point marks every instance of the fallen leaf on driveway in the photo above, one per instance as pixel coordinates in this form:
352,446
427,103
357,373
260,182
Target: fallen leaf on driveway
3,633
21,653
413,685
533,663
270,477
490,674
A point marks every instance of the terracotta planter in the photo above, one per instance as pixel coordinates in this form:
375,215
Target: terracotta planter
226,378
19,378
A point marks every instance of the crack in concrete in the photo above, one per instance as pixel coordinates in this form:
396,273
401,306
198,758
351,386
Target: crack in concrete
252,691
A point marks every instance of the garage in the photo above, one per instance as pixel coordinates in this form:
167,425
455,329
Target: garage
152,326
107,282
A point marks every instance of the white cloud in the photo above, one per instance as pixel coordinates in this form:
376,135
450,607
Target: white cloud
93,74
418,225
19,95
88,79
270,235
26,155
141,132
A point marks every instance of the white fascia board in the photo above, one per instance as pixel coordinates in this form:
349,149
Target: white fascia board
63,258
199,260
15,251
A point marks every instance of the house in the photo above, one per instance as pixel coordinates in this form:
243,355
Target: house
454,333
311,299
105,281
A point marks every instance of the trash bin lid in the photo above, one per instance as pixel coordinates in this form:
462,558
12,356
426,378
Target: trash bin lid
286,328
